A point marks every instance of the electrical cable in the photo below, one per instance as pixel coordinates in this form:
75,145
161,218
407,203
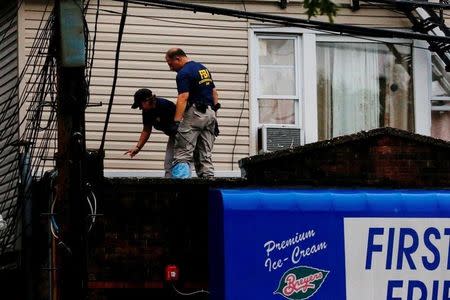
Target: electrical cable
48,77
390,8
243,5
410,3
45,87
242,107
263,27
270,27
37,44
86,6
174,21
93,209
54,228
290,21
315,25
93,43
190,293
9,104
2,39
240,118
34,112
116,68
53,225
12,229
9,234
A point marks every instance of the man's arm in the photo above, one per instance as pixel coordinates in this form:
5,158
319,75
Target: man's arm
181,106
145,134
215,96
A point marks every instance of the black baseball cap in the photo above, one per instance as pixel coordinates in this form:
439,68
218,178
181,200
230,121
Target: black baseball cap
141,95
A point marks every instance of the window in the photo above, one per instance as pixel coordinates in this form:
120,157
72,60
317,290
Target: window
277,80
362,86
440,99
330,85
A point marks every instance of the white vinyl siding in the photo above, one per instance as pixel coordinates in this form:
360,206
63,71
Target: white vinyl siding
221,43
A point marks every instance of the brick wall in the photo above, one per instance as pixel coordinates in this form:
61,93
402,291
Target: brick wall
383,157
144,227
147,224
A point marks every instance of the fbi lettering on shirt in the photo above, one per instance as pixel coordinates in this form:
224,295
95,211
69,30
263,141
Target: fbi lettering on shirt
205,77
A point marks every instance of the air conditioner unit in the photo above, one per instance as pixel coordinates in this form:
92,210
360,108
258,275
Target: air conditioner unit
278,137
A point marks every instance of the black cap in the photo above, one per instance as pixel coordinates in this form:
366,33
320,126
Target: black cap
141,95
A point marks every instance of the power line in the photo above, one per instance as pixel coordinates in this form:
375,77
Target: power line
242,108
290,21
41,82
411,3
267,27
171,21
116,68
97,12
11,22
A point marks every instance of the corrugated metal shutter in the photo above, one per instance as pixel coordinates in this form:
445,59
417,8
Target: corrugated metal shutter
8,122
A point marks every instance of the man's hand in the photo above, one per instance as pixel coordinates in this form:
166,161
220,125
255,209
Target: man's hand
216,128
216,107
133,151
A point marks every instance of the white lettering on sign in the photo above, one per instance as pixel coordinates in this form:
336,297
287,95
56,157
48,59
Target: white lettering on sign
281,245
290,251
397,258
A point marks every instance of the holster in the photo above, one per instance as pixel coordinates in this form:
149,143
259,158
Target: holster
201,107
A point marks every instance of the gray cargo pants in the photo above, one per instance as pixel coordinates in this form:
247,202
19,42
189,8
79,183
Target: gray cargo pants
168,160
195,139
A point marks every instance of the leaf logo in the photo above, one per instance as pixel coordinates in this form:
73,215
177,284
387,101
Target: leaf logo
301,282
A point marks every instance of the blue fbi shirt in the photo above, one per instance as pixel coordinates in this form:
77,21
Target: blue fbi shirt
196,79
160,117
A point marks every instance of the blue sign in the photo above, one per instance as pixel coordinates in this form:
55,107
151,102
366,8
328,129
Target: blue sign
329,244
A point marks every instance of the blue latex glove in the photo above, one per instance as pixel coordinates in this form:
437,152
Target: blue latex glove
181,170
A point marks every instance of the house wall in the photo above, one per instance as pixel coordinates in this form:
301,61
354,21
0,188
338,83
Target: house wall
221,43
9,169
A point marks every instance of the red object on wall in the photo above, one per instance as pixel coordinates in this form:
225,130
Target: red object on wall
172,273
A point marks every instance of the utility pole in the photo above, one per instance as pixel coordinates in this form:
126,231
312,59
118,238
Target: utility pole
71,156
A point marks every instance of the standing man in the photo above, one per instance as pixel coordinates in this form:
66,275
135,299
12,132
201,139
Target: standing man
158,113
197,104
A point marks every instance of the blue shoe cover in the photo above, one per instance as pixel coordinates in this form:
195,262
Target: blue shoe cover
181,170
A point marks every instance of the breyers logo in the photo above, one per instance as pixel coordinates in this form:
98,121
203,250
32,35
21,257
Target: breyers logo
301,282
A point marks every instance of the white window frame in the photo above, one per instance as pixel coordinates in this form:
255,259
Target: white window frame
436,98
422,92
307,112
298,75
303,83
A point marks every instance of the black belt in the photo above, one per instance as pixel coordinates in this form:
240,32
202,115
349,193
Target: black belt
202,107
